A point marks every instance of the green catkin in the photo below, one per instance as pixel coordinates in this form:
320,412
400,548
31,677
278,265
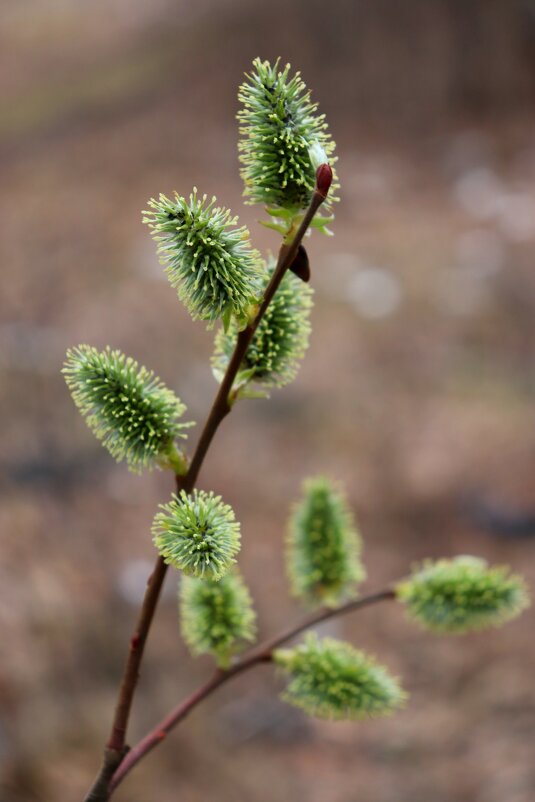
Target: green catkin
283,139
129,409
198,534
330,679
323,549
462,594
281,339
216,617
209,260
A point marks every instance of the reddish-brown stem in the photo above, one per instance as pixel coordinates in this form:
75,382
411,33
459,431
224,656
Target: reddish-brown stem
135,654
261,654
116,746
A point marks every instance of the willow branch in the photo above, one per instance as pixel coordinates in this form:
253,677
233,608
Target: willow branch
115,749
221,406
262,654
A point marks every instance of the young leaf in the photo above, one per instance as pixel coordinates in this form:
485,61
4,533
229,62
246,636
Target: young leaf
208,259
323,552
331,679
462,594
129,409
198,534
216,616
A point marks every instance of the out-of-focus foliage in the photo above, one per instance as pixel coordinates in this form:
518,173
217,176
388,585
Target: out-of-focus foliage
323,550
216,616
331,679
462,594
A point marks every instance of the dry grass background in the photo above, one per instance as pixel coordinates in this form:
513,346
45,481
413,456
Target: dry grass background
417,391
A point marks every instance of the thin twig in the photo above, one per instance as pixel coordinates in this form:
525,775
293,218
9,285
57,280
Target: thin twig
116,746
263,653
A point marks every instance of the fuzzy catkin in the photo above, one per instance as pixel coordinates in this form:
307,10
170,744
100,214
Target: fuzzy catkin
324,546
330,679
208,258
283,138
216,616
462,594
128,408
281,339
197,534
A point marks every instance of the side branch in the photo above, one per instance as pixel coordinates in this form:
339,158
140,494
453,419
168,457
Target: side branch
261,654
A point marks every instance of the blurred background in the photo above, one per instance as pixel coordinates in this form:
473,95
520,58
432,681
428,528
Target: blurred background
417,391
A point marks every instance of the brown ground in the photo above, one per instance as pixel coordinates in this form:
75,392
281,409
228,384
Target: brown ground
425,412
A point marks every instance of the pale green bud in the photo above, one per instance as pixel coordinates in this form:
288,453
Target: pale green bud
331,679
462,594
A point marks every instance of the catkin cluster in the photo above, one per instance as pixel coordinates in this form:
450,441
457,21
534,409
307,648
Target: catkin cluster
286,156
